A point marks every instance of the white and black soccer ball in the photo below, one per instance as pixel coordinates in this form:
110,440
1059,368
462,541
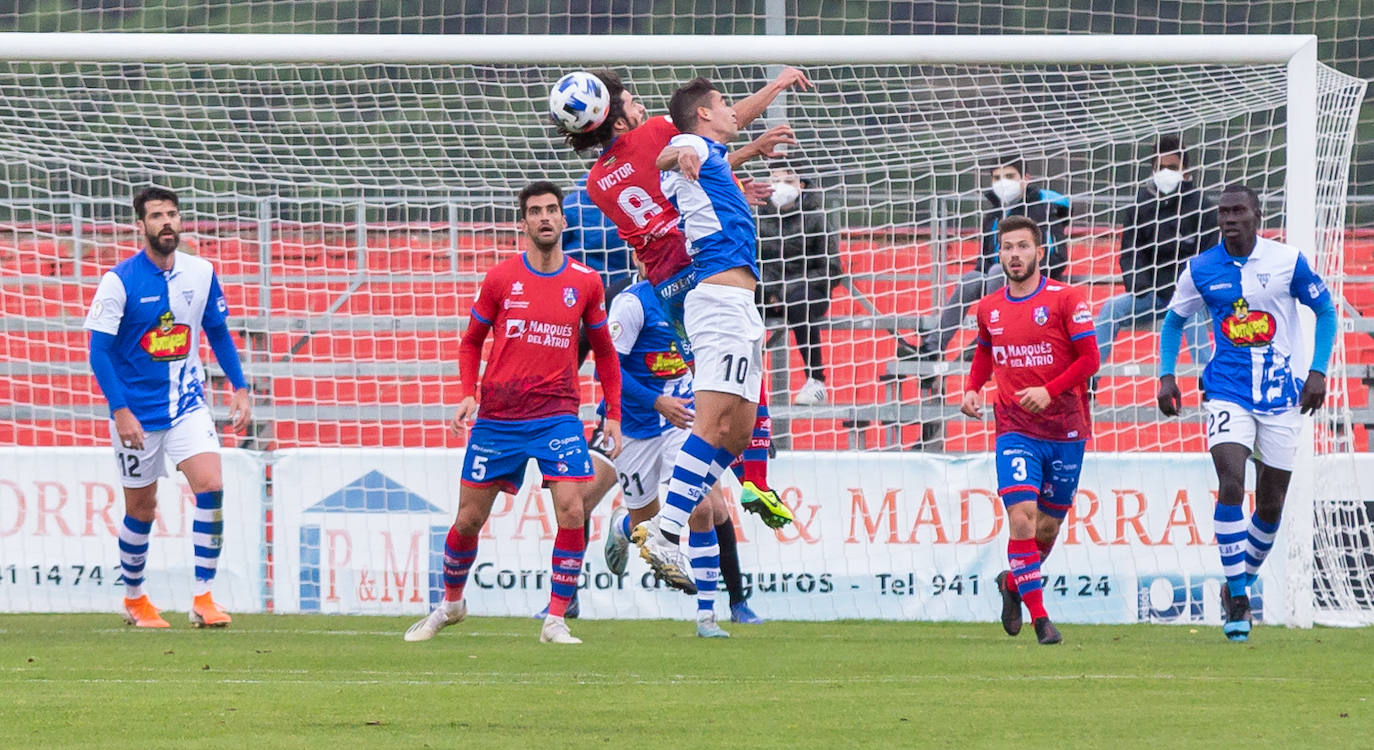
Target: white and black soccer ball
579,102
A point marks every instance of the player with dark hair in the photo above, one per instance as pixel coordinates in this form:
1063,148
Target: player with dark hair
145,325
624,183
1035,335
1251,286
529,398
720,314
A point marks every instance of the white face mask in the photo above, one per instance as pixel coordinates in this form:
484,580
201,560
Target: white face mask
784,194
1167,180
1007,190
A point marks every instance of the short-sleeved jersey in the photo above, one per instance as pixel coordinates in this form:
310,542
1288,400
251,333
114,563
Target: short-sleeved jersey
1032,341
649,355
534,317
626,185
156,318
1253,302
716,217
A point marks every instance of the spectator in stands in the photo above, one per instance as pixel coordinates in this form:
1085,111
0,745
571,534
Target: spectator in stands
1010,193
799,262
592,239
1170,222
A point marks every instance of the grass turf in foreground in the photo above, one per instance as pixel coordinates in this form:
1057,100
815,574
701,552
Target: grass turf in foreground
315,681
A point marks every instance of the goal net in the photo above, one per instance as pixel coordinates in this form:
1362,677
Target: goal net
352,207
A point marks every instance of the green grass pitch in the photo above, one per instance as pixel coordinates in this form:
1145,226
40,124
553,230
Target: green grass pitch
341,682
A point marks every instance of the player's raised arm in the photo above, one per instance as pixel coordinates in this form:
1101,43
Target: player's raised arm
765,146
750,107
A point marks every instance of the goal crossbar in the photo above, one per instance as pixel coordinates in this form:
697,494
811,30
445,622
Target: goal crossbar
650,49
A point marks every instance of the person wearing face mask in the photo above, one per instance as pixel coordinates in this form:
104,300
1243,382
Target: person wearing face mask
1170,222
799,263
1010,194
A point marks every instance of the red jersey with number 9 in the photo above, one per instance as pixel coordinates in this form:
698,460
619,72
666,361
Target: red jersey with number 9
624,183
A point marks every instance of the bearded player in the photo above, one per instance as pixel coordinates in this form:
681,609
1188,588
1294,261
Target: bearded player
145,325
625,184
1036,337
534,302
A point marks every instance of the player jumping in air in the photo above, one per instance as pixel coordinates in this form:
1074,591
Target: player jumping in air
145,325
625,184
534,303
722,320
1036,337
1254,399
656,401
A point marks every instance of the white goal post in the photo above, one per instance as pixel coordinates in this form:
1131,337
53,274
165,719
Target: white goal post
345,148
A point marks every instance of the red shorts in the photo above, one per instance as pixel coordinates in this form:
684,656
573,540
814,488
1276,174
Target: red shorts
664,256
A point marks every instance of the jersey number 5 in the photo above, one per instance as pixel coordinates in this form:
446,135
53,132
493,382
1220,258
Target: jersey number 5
635,201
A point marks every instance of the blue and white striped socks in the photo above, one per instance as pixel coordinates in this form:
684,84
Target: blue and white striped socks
703,551
695,472
1259,539
1230,525
133,554
207,535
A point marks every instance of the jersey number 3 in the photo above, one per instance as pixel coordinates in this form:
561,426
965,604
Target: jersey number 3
636,202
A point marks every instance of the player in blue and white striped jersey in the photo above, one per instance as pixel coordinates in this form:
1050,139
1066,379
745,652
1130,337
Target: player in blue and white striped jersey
1252,390
145,325
721,316
657,413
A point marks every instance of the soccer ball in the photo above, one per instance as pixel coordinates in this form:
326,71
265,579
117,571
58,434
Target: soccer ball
579,102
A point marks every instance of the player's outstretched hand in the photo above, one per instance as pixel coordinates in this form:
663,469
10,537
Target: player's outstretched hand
767,144
1313,392
972,405
463,416
240,409
610,433
790,77
1169,398
675,410
755,192
1034,399
129,429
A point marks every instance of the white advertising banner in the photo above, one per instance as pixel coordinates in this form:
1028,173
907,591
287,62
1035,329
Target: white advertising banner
60,513
878,535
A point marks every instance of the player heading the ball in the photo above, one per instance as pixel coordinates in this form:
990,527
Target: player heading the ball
626,184
1035,336
145,325
532,304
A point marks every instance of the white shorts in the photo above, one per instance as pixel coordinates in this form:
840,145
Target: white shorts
193,435
1272,438
644,464
727,340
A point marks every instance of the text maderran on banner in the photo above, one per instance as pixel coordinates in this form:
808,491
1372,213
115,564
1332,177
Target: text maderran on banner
892,536
60,512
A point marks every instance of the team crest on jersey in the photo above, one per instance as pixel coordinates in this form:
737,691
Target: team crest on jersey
1041,315
187,294
1263,279
167,341
569,296
1246,327
666,365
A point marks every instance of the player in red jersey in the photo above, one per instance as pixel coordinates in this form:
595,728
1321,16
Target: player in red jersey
1036,336
534,303
624,183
